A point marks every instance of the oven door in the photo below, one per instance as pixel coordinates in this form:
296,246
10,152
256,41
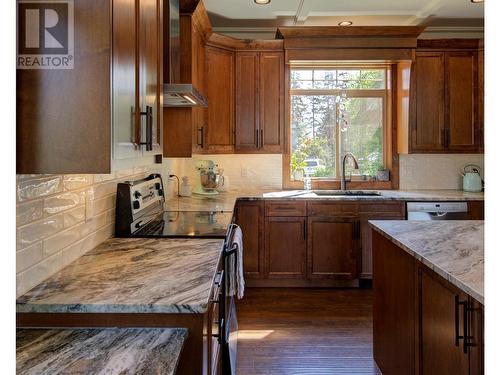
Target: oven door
230,344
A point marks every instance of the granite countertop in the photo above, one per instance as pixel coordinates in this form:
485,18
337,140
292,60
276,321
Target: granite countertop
136,275
454,249
226,201
109,351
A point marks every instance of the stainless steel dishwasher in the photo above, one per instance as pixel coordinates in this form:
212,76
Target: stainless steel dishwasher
436,211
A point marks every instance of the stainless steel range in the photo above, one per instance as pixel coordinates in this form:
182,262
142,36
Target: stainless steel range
140,212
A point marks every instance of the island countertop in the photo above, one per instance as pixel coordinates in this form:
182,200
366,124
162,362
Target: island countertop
454,249
99,351
132,275
226,201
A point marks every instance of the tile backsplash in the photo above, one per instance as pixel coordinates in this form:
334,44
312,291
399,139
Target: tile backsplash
60,217
243,171
417,171
435,171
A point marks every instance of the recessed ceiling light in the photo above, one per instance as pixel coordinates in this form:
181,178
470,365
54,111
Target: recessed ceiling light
262,2
345,23
476,1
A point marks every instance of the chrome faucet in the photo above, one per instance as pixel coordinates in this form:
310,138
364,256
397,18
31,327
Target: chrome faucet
356,166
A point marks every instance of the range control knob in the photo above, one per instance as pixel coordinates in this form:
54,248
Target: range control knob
137,194
136,205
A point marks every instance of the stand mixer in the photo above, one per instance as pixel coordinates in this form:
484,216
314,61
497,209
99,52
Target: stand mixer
208,179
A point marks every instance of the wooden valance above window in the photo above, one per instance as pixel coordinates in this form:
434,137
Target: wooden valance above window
390,43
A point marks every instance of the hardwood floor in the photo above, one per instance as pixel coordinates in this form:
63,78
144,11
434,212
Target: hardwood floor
305,331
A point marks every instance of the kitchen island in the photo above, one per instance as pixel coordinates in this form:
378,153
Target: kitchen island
113,351
137,282
428,281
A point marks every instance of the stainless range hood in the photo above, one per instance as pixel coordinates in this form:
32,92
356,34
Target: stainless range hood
182,95
176,94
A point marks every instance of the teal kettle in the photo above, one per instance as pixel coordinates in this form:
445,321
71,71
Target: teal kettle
472,181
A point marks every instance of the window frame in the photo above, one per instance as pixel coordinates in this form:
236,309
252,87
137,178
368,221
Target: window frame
390,156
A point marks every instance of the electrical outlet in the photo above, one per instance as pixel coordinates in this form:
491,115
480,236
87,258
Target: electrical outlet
244,171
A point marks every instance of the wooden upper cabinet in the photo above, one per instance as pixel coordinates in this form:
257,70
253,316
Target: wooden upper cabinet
198,79
461,95
271,101
150,72
446,115
77,120
259,102
124,81
63,116
218,137
427,133
332,248
247,101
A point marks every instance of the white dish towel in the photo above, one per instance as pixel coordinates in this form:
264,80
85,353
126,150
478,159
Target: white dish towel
235,280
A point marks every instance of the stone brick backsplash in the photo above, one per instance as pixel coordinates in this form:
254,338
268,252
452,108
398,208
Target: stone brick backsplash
60,217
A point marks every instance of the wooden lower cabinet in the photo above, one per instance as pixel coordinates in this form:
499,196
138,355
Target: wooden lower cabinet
418,318
440,326
250,218
332,248
285,247
366,242
475,210
476,324
394,311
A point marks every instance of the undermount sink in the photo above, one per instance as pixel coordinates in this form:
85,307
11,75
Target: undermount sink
361,193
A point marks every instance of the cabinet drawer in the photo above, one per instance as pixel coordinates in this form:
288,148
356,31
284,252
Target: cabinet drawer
328,209
395,208
278,208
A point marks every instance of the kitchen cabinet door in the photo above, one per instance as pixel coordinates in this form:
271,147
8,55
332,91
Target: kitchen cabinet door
247,127
218,137
394,308
428,115
250,218
366,242
285,247
476,350
332,251
198,78
150,75
125,100
375,211
271,102
440,325
462,133
63,116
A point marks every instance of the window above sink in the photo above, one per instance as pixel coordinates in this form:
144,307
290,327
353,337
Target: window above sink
338,108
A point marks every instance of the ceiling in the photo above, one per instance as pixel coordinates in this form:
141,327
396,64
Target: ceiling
233,16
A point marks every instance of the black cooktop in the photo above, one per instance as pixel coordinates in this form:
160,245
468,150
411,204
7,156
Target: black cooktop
187,224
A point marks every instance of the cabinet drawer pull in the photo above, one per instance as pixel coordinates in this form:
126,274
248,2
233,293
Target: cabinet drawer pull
149,128
457,322
465,323
201,135
284,208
